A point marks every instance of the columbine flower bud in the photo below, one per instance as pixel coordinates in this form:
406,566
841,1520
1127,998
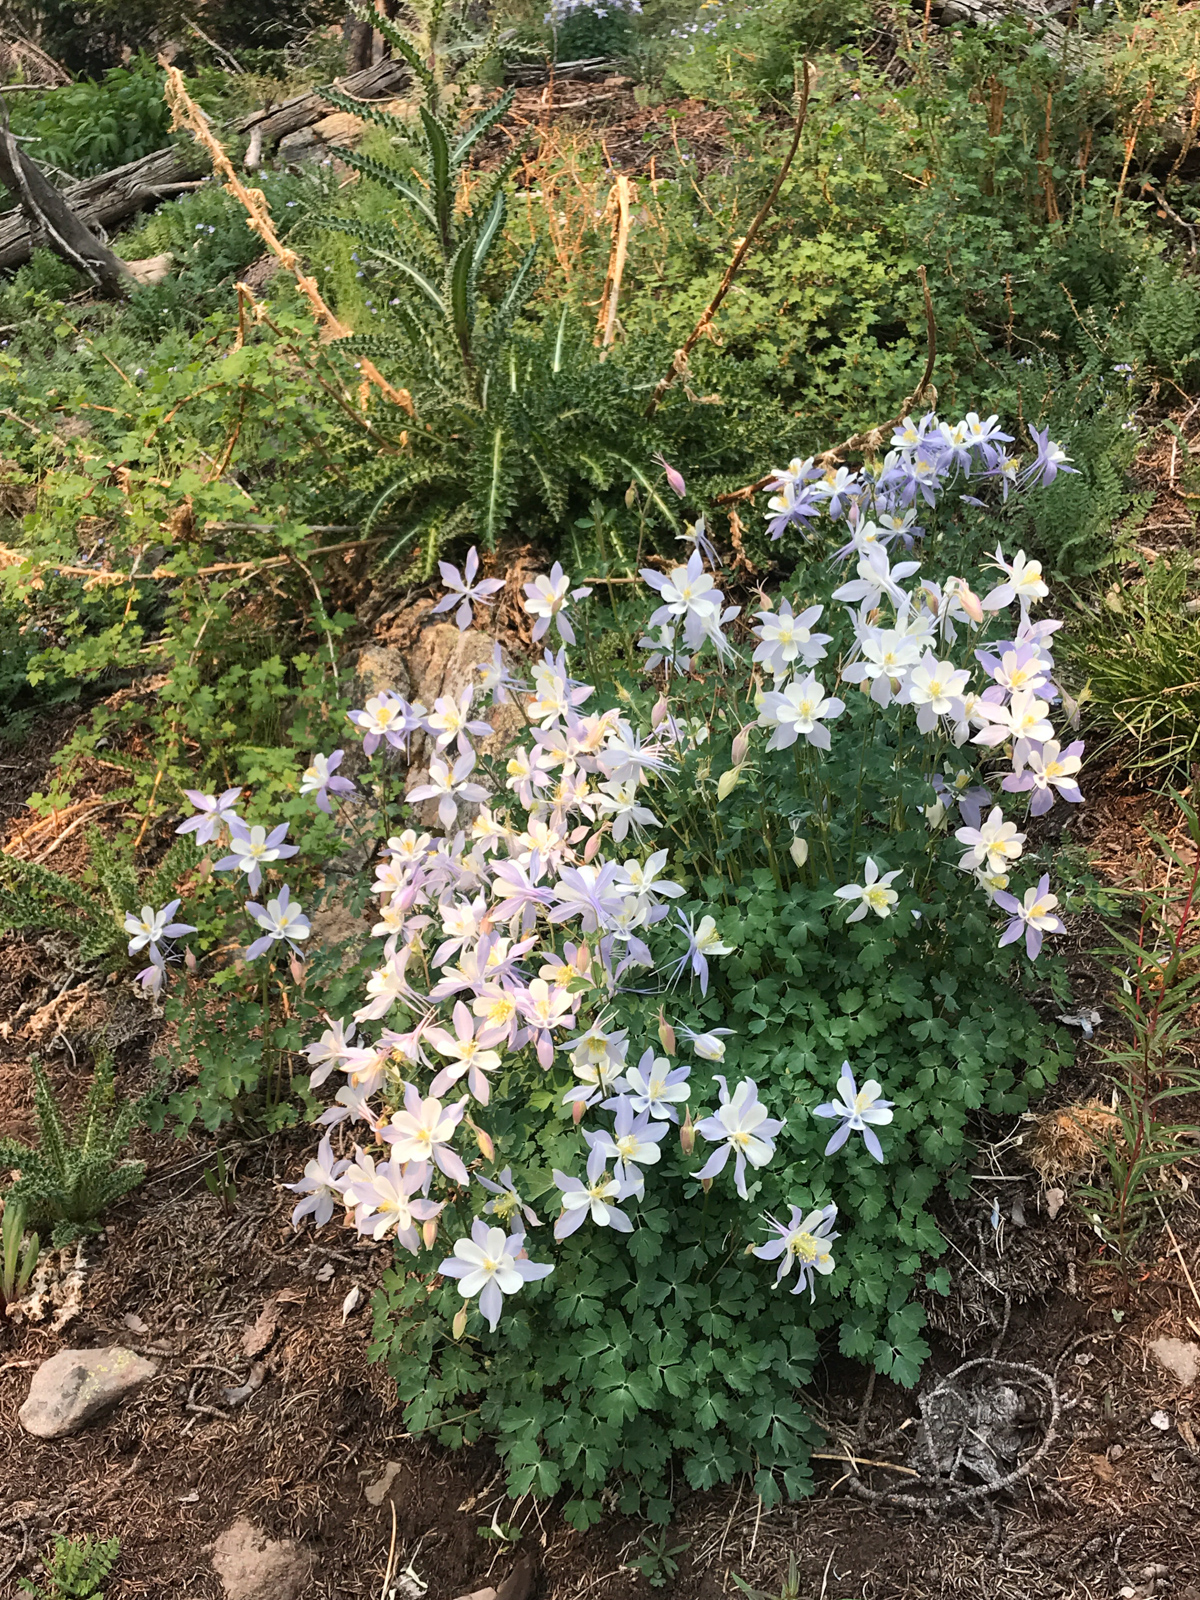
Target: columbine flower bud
593,844
459,1325
577,1111
798,850
189,960
666,1034
296,968
706,1184
741,744
429,1232
687,1134
728,782
658,711
483,1139
631,497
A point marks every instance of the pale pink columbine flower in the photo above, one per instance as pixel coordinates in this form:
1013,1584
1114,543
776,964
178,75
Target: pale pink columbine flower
1043,769
386,985
319,1186
491,1264
422,1132
448,786
1032,915
1025,717
451,719
547,601
798,711
528,772
1023,582
464,590
471,1054
674,478
329,1051
212,811
545,1007
935,688
995,843
873,893
384,1197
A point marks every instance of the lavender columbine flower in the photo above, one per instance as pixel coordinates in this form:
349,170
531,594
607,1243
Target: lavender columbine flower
153,977
803,1242
211,812
1033,915
318,778
633,1140
490,1264
382,1195
599,1197
152,926
508,1203
656,1087
548,599
282,920
333,1049
703,942
448,785
319,1186
742,1125
1044,769
463,589
250,848
860,1110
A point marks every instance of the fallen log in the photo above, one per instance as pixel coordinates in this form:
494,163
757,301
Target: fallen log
108,198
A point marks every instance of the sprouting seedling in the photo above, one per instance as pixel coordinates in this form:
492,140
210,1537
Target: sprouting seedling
16,1265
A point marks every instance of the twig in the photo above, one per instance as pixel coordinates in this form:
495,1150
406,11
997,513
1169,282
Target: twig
616,264
213,45
863,1461
680,359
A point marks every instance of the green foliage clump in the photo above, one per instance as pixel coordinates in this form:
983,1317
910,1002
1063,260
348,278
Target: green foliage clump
92,126
76,1569
76,1171
16,1264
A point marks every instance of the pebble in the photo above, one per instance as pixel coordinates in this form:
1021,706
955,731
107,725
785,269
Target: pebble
75,1386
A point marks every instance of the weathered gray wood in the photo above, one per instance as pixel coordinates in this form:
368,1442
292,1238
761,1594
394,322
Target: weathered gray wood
109,198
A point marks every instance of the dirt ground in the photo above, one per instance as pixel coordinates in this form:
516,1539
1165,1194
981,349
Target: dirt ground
226,1296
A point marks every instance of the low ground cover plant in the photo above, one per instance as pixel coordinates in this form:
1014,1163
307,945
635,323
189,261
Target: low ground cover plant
683,1000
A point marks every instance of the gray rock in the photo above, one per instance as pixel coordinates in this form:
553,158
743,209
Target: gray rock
253,1567
75,1386
377,668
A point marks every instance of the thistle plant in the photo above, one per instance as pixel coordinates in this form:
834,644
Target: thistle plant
587,1091
76,1171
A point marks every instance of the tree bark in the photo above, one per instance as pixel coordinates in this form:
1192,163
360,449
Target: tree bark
50,217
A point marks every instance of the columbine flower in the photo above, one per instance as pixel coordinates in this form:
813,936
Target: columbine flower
861,1111
798,711
507,1203
655,1087
463,589
1023,582
1050,460
385,716
710,1045
471,1054
153,926
996,843
448,785
935,688
331,1050
282,920
383,1197
422,1133
451,719
211,812
689,593
319,1186
318,778
1044,770
153,977
544,1007
599,1198
873,893
548,600
252,848
1025,717
490,1264
598,1060
633,1143
803,1242
674,478
703,942
1032,915
742,1125
620,802
785,639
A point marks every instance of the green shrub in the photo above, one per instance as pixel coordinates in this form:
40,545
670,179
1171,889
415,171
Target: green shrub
90,127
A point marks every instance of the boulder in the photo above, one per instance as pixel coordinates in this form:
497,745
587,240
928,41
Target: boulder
253,1567
340,127
75,1386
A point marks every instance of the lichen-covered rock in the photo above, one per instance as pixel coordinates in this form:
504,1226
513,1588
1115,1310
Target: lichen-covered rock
75,1386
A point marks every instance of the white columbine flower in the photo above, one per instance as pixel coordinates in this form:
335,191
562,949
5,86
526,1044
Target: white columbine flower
153,926
281,920
742,1126
797,712
935,688
801,1242
995,843
859,1110
873,893
785,639
491,1264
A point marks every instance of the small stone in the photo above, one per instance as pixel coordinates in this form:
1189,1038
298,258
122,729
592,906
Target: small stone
1160,1420
253,1567
76,1385
376,1493
1180,1358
